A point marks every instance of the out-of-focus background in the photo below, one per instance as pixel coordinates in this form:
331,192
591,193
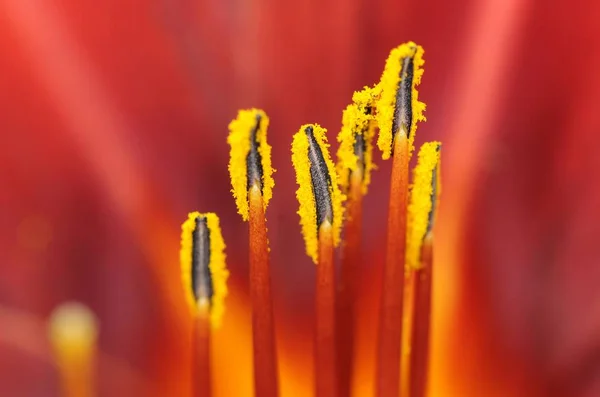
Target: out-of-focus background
113,118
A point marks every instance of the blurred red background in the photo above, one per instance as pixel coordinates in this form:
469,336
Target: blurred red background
114,118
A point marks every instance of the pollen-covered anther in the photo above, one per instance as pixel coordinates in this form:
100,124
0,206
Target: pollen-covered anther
398,106
203,269
254,160
355,153
250,158
423,201
321,181
318,193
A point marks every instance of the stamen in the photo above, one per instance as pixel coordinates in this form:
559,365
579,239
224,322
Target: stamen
398,110
354,168
398,106
320,215
204,277
250,158
318,193
422,209
252,190
73,333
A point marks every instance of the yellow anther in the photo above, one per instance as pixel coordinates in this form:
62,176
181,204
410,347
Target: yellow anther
356,139
247,132
423,199
216,264
318,193
395,103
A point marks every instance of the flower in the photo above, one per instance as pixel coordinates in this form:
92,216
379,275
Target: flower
111,133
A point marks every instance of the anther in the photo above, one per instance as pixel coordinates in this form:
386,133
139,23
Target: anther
360,147
398,106
254,159
321,180
403,108
434,194
202,285
318,193
250,159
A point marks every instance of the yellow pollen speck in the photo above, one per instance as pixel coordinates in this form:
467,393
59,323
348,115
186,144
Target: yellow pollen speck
356,121
305,193
387,91
420,205
217,268
240,135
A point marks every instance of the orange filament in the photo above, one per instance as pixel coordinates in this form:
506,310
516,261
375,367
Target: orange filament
419,357
407,326
390,321
325,358
263,334
351,259
201,373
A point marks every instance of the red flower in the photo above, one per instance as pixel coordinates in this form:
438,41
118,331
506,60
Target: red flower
114,117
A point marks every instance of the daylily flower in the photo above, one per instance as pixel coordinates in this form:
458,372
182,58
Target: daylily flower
114,118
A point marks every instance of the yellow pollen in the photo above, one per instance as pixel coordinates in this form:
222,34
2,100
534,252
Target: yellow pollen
420,204
217,268
387,91
305,193
240,135
356,121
